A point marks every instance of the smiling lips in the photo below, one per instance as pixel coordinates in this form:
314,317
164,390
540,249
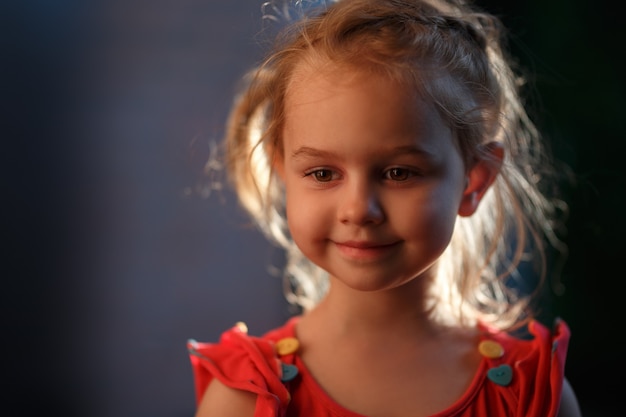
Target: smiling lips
364,250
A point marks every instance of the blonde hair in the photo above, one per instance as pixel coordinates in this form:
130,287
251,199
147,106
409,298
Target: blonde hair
452,54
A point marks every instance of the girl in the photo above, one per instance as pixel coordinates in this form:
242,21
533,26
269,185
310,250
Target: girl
384,145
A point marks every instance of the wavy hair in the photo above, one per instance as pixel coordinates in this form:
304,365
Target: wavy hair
454,55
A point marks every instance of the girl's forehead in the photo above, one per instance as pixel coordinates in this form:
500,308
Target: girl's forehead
306,77
341,102
318,81
320,76
312,68
413,80
312,87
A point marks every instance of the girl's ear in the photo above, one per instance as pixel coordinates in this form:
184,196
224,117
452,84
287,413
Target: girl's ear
480,177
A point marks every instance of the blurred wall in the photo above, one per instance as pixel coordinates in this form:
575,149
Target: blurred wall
118,248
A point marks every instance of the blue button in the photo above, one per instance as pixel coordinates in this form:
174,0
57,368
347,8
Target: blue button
289,372
501,375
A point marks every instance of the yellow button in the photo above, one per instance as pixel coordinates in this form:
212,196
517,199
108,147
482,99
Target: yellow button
287,345
241,326
490,349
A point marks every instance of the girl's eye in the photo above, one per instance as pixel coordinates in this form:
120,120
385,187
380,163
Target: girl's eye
398,174
321,175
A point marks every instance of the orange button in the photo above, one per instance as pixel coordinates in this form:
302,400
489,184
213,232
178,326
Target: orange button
287,345
490,349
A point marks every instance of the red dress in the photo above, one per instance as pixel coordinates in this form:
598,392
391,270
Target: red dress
516,377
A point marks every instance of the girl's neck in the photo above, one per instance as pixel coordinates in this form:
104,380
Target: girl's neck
346,312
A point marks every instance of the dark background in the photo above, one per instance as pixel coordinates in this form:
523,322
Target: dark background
116,248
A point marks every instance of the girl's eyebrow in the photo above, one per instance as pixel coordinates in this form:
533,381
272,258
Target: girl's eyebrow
308,152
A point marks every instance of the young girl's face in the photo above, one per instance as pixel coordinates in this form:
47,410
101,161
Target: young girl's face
372,175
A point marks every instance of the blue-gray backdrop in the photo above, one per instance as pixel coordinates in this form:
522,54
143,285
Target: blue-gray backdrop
118,248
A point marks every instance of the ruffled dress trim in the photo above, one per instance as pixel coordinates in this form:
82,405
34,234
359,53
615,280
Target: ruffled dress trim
516,377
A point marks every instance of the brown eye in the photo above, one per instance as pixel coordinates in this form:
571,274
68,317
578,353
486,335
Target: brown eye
323,175
397,174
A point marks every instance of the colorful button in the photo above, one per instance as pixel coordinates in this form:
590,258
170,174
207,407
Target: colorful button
287,346
242,327
289,372
490,349
501,375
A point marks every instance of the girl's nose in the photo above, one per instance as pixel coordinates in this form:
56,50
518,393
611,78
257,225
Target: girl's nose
360,205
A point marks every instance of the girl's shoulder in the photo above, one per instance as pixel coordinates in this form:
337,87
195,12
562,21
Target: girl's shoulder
535,342
523,372
248,363
518,375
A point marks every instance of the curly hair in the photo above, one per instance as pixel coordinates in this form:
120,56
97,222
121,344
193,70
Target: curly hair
454,55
